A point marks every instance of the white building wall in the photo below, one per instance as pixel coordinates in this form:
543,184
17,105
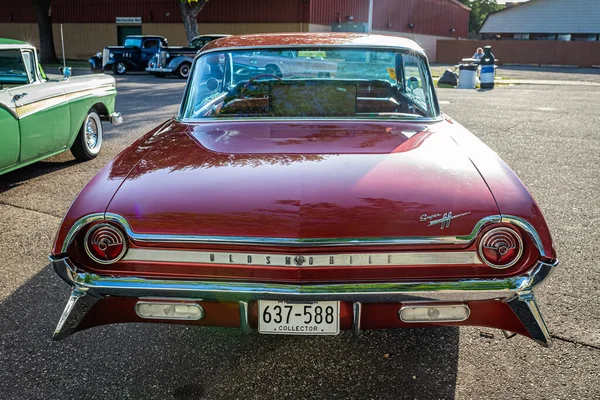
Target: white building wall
546,16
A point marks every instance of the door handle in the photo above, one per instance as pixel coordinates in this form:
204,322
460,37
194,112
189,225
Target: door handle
18,97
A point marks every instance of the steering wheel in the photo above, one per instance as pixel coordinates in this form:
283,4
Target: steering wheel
251,80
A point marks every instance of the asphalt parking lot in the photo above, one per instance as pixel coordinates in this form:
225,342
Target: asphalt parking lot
547,133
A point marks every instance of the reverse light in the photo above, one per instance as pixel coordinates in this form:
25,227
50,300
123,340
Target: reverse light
501,248
442,313
105,244
157,310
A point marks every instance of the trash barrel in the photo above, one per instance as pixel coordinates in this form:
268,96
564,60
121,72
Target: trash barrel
467,76
487,68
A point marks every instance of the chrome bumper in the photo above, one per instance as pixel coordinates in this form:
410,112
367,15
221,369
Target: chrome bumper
114,118
516,292
159,69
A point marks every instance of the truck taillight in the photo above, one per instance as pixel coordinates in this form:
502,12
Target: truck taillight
105,243
501,247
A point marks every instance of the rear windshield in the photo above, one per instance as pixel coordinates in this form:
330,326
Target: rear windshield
310,83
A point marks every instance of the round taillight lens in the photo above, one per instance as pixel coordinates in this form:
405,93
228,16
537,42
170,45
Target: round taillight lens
105,244
501,247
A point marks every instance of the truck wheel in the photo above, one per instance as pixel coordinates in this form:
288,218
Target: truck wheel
89,139
119,68
184,70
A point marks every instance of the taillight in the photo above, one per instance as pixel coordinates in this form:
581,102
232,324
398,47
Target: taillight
501,247
105,243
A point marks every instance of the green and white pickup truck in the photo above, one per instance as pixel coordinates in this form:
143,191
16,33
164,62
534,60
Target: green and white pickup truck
41,117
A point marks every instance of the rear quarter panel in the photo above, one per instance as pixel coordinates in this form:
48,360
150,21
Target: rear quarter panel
510,193
97,194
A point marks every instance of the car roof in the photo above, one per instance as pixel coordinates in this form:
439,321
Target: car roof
11,41
14,44
312,39
215,35
145,36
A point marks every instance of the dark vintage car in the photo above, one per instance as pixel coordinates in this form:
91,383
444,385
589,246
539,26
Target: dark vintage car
133,56
178,60
295,205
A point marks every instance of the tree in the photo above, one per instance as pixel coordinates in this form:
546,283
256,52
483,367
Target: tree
43,15
480,9
189,13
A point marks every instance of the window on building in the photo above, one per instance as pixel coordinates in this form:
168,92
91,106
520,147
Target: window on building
543,36
584,37
565,37
521,36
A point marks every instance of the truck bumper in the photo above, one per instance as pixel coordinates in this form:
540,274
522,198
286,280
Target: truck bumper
508,304
159,70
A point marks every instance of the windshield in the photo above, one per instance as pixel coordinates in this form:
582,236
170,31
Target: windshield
133,42
311,82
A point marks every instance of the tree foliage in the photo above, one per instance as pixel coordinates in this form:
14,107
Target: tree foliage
480,9
189,13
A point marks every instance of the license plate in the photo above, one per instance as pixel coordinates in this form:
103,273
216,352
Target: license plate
308,318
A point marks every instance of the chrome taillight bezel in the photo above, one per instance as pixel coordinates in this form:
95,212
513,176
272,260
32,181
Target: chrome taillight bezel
496,231
115,230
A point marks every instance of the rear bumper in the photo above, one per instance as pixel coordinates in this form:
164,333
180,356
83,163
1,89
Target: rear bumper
516,292
116,118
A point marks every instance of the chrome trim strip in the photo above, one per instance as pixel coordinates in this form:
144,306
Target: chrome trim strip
378,46
459,290
307,119
49,102
266,241
302,260
526,226
300,242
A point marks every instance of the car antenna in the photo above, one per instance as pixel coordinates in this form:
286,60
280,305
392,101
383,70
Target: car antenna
66,72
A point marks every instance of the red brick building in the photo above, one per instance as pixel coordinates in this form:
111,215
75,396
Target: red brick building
92,24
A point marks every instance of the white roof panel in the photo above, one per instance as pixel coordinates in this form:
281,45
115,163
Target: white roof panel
546,16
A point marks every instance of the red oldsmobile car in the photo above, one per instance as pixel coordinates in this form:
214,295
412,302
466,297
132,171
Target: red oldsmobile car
295,205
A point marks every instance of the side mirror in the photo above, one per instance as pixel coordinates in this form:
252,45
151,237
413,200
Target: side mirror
212,84
66,72
413,83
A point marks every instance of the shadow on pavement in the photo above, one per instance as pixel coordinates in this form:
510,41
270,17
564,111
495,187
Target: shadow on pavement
161,361
22,175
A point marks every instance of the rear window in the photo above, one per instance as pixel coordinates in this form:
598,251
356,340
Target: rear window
310,83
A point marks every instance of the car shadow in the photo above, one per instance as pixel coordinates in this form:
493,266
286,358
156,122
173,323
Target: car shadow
17,177
182,362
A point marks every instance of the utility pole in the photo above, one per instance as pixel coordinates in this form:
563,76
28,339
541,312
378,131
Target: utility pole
370,22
